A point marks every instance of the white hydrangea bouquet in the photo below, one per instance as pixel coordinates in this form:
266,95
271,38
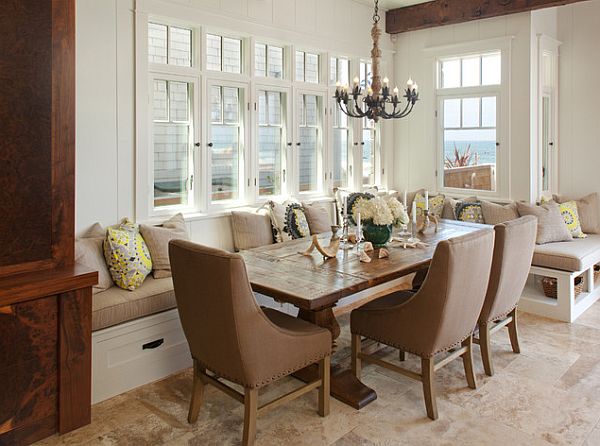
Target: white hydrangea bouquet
381,210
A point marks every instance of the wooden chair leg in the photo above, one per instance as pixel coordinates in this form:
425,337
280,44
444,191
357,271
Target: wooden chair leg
356,361
197,393
427,375
402,356
513,332
324,390
250,414
468,362
486,350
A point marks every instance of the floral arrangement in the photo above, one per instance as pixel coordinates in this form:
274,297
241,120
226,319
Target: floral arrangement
386,210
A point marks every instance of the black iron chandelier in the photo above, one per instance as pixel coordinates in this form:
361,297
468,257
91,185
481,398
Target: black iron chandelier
378,97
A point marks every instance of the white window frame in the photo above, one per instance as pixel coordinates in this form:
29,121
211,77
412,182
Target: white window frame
502,91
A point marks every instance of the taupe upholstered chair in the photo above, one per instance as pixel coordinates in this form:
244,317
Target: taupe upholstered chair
439,317
232,338
513,251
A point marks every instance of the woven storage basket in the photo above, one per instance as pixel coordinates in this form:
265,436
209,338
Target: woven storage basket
550,286
596,272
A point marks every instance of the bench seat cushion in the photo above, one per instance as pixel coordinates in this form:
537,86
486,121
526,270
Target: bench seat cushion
116,305
575,255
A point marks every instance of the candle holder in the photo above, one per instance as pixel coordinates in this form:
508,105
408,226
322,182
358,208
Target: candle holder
413,234
345,239
427,221
404,233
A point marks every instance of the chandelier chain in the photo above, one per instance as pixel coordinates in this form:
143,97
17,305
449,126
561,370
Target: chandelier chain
376,16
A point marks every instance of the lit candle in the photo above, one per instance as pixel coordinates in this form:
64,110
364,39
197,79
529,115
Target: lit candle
396,91
414,213
358,227
426,200
386,81
409,83
405,201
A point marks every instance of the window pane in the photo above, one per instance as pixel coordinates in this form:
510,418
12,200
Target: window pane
470,112
269,160
180,46
491,69
161,110
178,101
308,158
368,156
471,71
366,75
333,71
231,105
470,159
300,66
451,113
451,73
344,71
274,109
232,55
157,43
488,112
262,108
213,52
340,157
260,59
171,151
310,102
225,159
312,68
216,108
275,62
301,113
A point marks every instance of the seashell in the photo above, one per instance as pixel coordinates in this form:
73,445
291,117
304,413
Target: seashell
384,253
364,257
368,246
352,238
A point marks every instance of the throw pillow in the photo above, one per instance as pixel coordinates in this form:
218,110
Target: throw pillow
551,226
88,252
588,208
157,239
494,214
469,212
568,210
449,211
127,256
251,229
436,204
318,217
353,198
288,221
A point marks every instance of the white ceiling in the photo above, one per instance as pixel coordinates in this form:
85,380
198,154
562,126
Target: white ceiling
391,4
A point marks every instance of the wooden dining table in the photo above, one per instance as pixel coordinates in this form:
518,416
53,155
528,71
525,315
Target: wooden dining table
315,285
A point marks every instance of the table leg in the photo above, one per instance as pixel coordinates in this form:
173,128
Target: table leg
344,385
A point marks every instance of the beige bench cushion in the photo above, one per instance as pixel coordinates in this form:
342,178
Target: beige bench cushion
575,255
116,305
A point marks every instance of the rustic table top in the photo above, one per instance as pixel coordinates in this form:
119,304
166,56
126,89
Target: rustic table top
312,283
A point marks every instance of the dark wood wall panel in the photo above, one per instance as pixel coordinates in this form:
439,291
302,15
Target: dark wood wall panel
25,131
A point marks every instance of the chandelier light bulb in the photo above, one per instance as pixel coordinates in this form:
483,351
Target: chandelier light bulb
396,91
386,81
338,84
356,80
415,86
409,83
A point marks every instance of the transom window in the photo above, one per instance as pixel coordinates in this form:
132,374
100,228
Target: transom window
307,67
339,71
170,45
223,54
268,61
471,71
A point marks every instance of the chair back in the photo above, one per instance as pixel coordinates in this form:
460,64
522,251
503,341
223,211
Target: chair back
220,317
513,252
453,292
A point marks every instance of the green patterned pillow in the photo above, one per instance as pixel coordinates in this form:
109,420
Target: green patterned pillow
436,204
127,255
470,212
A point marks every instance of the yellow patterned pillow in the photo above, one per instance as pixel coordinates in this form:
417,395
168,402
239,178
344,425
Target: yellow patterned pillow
569,212
127,255
436,204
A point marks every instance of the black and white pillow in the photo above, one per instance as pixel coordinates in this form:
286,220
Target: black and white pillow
288,220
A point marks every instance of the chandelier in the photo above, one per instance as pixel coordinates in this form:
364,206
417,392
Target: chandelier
378,102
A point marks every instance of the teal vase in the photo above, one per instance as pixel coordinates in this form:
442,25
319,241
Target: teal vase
378,235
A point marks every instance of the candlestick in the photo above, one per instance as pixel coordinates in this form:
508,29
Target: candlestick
405,200
414,213
358,228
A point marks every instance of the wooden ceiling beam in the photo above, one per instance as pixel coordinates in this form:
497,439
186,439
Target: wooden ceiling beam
449,12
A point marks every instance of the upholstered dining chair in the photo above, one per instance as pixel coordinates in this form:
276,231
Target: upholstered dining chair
436,319
513,252
231,338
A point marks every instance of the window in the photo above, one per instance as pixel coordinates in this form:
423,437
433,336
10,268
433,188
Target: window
223,54
309,141
339,71
366,75
341,144
172,132
469,121
170,45
368,137
271,134
226,138
268,61
307,67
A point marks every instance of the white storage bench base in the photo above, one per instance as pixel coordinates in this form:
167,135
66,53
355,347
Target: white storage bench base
138,352
566,307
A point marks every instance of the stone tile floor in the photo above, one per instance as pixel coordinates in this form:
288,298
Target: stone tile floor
547,395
